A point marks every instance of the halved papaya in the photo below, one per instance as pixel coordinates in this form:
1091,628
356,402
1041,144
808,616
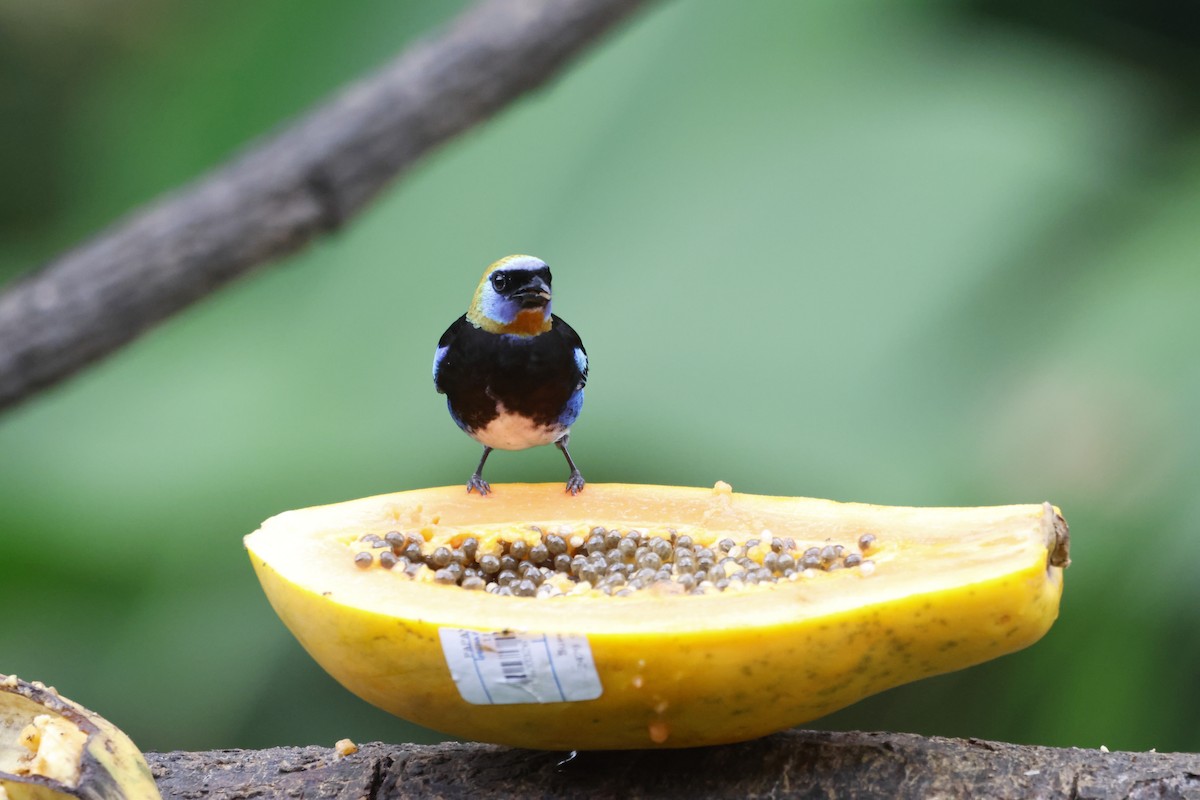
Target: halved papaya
730,616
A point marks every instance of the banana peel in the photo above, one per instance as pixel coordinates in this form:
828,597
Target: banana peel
52,749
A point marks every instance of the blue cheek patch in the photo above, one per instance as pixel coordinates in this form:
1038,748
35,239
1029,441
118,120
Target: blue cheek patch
571,410
499,309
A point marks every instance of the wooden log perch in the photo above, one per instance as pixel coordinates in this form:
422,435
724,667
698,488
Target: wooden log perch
282,193
792,764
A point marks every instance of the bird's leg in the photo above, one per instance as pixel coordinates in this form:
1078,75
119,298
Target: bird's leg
575,479
477,482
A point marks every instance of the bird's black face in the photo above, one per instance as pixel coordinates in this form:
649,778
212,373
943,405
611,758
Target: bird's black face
529,288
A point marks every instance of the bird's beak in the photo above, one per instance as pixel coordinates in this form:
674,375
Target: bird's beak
535,294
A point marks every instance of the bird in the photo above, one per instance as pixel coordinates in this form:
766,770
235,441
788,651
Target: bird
512,371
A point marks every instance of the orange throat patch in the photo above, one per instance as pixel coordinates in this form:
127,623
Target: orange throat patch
530,323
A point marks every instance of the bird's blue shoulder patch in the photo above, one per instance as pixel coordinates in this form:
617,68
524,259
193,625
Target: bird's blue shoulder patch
438,355
581,361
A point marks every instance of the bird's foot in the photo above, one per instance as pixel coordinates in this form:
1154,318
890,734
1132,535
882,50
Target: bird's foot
478,484
575,482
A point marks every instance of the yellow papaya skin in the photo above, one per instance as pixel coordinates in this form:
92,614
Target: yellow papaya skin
949,588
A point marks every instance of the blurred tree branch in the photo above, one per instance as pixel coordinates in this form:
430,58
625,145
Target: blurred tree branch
276,197
792,764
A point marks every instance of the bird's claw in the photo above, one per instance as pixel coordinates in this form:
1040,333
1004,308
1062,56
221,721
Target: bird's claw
575,482
478,484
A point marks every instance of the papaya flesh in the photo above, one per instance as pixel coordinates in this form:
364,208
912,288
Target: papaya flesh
51,747
910,592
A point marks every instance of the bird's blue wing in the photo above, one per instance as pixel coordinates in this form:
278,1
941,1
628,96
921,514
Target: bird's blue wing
571,410
572,340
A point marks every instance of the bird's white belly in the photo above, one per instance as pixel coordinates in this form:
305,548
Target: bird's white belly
511,431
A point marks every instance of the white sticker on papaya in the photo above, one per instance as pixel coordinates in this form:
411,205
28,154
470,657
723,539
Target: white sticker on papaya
507,667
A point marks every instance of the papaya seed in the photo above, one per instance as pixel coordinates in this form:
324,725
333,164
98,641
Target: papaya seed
470,547
440,557
649,560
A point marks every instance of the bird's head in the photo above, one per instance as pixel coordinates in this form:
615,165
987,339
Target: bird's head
513,297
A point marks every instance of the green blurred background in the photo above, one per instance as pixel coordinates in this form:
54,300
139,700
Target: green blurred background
932,253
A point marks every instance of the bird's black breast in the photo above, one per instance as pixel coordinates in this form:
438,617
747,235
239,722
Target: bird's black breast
533,376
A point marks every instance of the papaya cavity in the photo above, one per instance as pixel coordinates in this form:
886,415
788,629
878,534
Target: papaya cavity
583,558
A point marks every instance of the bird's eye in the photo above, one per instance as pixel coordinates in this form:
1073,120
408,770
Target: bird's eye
499,281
